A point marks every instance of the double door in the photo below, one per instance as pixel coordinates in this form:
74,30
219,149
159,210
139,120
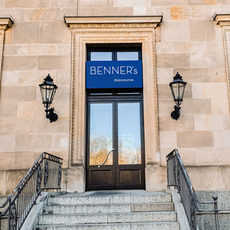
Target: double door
115,149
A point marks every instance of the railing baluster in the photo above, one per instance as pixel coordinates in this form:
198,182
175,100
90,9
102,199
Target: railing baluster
215,198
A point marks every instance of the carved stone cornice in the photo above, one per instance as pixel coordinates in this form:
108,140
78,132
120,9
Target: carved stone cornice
222,19
6,23
113,22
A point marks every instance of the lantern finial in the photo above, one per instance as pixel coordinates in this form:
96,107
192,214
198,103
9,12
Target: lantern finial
48,78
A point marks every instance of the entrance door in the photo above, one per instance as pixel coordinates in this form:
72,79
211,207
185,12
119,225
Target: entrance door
115,158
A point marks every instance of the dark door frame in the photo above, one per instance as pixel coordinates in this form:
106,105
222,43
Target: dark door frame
115,98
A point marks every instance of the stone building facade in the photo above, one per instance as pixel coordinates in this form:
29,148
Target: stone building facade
191,37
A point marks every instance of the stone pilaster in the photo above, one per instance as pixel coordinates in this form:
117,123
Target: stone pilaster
5,23
223,20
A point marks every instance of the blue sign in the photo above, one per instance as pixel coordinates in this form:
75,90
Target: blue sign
113,74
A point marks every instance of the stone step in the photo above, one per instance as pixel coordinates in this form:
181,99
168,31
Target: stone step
108,218
117,226
107,208
157,197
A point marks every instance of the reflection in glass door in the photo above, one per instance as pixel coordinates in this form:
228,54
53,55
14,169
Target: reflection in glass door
129,138
115,143
100,134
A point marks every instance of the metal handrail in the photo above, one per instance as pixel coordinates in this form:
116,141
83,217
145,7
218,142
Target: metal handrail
45,174
177,176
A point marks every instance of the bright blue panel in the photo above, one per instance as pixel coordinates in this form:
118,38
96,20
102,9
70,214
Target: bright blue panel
113,74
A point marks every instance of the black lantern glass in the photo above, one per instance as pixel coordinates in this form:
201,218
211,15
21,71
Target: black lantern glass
48,90
177,87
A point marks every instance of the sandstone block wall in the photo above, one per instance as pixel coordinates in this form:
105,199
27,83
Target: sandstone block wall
188,42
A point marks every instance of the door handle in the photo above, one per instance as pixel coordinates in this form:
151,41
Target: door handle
99,166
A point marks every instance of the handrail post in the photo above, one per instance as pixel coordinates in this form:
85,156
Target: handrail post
215,198
193,215
168,181
0,222
174,171
9,215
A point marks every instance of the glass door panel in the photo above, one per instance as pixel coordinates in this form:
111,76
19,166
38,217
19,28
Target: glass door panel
129,133
101,134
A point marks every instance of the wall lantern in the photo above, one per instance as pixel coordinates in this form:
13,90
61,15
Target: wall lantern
177,87
48,90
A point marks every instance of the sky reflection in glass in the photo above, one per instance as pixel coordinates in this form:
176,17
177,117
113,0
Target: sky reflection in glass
127,56
129,139
101,56
100,133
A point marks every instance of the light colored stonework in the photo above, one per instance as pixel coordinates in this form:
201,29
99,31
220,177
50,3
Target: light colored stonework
188,41
5,23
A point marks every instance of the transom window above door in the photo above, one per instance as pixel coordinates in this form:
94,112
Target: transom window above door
114,52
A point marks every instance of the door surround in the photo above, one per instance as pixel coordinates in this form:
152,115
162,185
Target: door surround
89,30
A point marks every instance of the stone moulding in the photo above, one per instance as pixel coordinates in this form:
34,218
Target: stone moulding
5,23
150,20
224,21
88,30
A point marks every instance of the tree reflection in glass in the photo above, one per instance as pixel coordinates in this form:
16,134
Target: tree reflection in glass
129,139
100,133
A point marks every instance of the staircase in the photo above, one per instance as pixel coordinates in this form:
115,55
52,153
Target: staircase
109,210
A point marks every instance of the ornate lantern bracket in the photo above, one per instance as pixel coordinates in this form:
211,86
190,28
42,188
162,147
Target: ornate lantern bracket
177,87
48,90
